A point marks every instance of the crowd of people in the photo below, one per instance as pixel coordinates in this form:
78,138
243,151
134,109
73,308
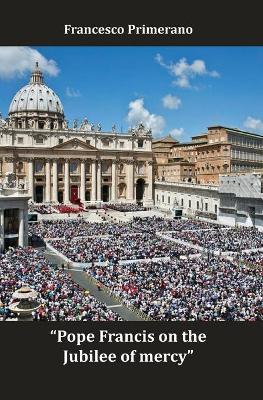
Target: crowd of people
75,227
126,207
60,298
188,285
121,247
223,239
42,209
192,289
159,224
55,209
81,227
253,259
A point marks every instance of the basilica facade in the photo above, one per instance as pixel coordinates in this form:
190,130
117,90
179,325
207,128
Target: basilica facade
63,164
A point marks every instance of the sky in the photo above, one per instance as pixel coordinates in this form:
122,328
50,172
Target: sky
172,90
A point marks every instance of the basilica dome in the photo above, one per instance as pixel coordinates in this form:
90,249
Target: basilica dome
36,105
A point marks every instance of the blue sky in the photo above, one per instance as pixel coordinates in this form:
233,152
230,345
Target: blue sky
182,90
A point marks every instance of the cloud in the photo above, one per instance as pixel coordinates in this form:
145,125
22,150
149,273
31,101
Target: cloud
70,92
171,102
178,132
16,61
254,124
185,72
138,113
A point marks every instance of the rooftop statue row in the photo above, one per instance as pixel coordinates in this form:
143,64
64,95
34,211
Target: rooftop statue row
140,130
85,125
3,123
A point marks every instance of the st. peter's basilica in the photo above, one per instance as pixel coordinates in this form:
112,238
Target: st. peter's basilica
66,164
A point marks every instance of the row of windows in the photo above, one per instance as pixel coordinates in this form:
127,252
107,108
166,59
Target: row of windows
244,155
216,140
213,168
175,171
246,141
204,153
189,205
74,167
41,140
205,205
244,167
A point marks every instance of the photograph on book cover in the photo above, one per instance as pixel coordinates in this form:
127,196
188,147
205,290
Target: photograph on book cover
131,183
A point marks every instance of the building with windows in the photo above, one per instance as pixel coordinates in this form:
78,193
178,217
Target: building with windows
219,151
227,151
63,164
192,198
236,201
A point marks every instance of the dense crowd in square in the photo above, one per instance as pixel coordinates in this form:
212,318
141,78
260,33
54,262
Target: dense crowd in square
75,227
192,289
121,247
126,207
81,227
60,298
186,285
160,224
230,240
253,259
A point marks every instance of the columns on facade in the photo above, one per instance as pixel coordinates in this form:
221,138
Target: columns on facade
48,181
31,178
2,230
82,180
55,181
113,180
130,180
93,180
66,181
99,180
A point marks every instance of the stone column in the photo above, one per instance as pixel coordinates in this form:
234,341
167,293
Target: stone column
66,181
31,178
48,181
130,181
113,180
82,180
93,181
150,181
55,181
26,227
99,180
21,228
11,165
2,230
